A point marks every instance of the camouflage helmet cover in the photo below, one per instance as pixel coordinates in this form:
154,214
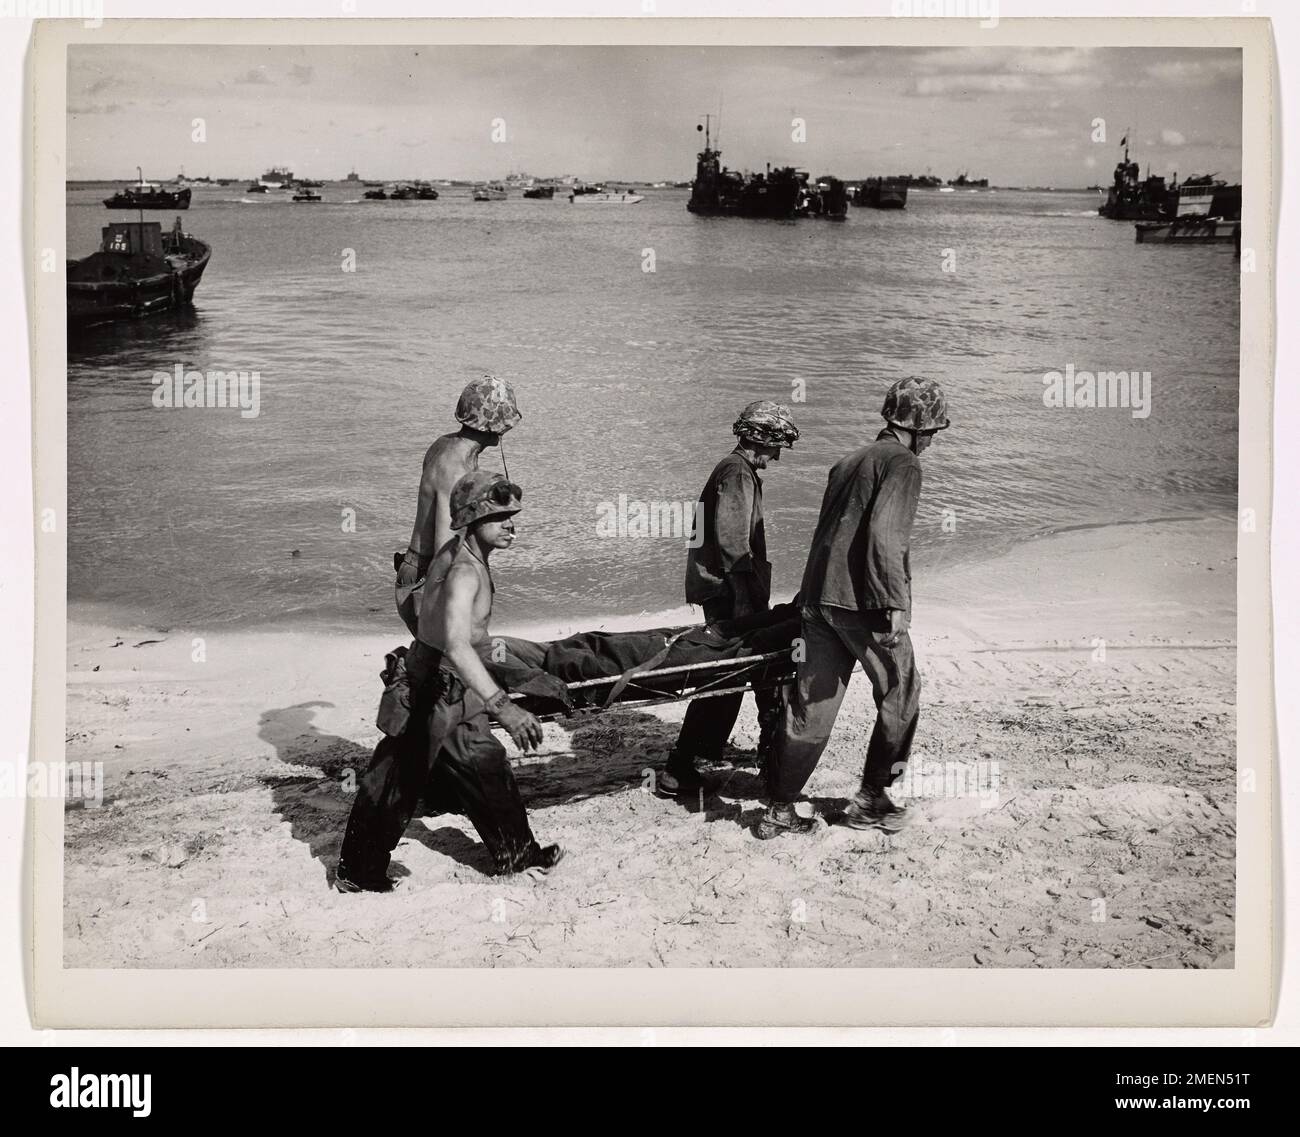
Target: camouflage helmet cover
916,404
767,423
488,403
483,493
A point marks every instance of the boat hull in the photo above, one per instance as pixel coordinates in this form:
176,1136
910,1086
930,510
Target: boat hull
166,199
877,193
607,199
102,291
1187,231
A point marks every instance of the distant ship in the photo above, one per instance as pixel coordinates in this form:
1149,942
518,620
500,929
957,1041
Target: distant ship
352,177
827,198
137,271
277,178
1206,196
1202,210
1132,198
961,181
148,195
719,192
600,195
882,193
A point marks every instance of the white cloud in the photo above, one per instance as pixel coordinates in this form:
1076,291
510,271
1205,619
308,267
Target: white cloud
1171,138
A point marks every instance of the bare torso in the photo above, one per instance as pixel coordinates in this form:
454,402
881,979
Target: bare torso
448,460
456,559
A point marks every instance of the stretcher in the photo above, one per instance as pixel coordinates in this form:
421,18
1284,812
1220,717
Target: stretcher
681,683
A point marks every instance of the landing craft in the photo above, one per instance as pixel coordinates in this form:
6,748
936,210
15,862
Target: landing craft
137,271
719,192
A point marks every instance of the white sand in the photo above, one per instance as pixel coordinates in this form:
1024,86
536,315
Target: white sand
1091,674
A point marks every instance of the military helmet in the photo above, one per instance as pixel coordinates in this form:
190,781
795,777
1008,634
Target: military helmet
767,423
483,493
916,404
488,404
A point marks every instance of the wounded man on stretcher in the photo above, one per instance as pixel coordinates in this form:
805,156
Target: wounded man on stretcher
590,671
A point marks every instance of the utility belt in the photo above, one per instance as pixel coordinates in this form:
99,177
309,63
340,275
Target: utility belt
415,679
432,675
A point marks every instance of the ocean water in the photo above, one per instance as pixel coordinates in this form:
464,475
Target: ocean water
629,381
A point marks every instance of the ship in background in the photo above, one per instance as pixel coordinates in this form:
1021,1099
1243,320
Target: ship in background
1132,197
961,181
148,195
882,193
1206,196
827,198
277,177
776,194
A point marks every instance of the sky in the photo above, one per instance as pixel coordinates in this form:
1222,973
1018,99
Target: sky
1018,116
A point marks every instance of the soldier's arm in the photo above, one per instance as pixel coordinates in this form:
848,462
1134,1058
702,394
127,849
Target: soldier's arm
459,594
422,534
887,582
735,508
731,524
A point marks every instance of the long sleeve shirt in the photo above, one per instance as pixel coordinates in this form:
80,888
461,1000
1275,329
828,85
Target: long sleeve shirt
860,551
733,539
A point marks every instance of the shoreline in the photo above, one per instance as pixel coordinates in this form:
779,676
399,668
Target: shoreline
1093,672
929,585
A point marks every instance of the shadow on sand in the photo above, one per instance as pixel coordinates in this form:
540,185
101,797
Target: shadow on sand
606,754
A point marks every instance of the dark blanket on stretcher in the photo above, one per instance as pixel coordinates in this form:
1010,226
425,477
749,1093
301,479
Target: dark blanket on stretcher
535,668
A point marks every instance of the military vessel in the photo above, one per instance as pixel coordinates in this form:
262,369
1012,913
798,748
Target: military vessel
882,193
827,198
718,192
1132,197
137,271
148,195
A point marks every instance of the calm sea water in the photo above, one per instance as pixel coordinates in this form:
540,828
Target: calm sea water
629,382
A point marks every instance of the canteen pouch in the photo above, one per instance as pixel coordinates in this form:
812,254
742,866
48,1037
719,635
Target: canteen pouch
395,703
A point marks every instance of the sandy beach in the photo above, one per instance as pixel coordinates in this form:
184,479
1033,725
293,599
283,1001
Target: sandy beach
1074,804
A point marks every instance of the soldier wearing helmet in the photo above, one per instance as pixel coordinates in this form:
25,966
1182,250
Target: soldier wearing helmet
728,574
447,750
855,606
486,410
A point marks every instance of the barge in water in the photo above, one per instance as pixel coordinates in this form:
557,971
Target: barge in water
137,271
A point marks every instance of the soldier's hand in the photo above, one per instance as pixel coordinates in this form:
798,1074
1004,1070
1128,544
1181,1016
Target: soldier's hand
522,726
899,621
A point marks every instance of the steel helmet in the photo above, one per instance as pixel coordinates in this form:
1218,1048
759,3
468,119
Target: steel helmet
483,493
916,404
488,404
767,423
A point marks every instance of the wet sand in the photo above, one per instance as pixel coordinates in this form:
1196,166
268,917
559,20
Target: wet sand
1074,797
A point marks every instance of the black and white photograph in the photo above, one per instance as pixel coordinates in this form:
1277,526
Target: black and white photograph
689,506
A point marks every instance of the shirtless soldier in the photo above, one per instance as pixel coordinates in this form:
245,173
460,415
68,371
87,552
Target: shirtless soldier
486,410
447,748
